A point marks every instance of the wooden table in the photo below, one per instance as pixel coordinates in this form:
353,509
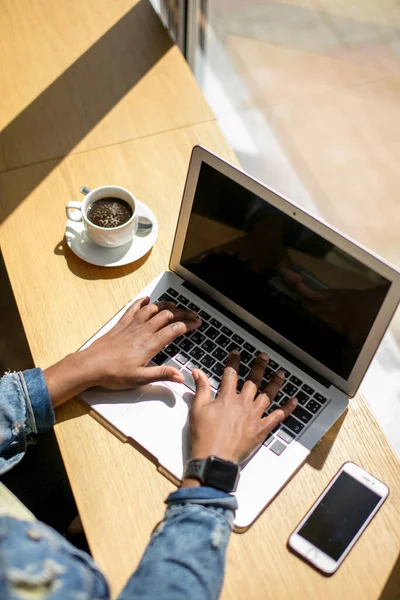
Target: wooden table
63,301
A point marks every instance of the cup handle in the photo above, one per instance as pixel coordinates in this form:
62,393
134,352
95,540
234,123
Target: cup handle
70,214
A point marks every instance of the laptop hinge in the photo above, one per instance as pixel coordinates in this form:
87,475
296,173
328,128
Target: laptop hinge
263,338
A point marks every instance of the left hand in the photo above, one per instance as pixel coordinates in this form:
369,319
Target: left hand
232,427
118,360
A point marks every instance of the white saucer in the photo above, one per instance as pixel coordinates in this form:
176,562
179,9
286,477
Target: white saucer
87,250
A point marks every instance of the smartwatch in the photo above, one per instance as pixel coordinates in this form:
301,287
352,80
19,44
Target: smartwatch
214,472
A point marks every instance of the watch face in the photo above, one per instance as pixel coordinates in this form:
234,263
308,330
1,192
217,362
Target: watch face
221,474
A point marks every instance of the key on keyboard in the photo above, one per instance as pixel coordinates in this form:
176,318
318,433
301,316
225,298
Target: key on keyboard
202,327
220,354
186,345
226,330
249,347
289,389
197,353
245,356
160,358
308,390
320,398
313,406
215,323
212,333
302,397
166,298
293,424
204,316
218,369
197,337
302,414
171,350
208,361
209,346
222,340
182,358
233,346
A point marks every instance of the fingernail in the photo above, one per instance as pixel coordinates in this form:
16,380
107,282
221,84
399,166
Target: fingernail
294,401
177,378
263,356
235,352
281,374
195,374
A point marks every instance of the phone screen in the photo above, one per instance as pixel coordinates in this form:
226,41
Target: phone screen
339,516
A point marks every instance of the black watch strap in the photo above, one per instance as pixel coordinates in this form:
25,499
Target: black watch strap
214,472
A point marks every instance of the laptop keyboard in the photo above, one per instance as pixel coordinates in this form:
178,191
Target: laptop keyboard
207,348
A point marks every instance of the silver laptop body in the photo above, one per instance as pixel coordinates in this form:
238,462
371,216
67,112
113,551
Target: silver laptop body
267,276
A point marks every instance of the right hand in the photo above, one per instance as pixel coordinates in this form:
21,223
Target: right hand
231,427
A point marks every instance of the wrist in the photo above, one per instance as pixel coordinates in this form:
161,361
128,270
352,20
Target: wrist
189,482
70,376
223,455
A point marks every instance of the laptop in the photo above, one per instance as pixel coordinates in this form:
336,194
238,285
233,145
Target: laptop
264,275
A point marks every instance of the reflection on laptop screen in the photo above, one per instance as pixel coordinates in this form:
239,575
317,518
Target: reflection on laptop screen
296,282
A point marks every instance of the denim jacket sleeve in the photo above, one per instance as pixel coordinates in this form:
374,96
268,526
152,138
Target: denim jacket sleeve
185,558
25,408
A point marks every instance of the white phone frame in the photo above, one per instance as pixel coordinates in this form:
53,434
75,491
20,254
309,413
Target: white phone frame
314,555
350,385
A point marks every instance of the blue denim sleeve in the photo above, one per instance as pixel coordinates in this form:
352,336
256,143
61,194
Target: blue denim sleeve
25,408
185,558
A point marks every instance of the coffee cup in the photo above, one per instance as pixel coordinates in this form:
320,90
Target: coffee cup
116,198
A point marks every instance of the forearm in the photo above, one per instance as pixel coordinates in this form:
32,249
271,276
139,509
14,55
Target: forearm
70,376
185,558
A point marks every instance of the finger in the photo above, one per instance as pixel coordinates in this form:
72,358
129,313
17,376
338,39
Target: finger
134,309
230,376
273,387
165,305
167,334
167,316
254,379
151,310
261,403
277,416
147,375
203,389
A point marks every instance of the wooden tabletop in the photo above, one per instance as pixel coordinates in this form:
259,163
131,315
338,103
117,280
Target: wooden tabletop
63,301
80,75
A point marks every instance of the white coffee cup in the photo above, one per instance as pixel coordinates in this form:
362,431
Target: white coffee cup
108,237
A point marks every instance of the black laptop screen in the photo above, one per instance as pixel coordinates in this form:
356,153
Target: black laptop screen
296,282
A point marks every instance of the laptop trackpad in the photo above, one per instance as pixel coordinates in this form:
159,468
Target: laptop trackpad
159,421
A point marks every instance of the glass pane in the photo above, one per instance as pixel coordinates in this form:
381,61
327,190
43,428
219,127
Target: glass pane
307,92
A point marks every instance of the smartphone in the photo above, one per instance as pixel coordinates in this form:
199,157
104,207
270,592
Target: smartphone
337,519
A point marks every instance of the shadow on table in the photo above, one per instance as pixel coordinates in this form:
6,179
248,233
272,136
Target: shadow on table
391,591
320,453
65,112
84,270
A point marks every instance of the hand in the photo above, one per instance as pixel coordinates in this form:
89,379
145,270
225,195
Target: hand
231,427
121,356
119,359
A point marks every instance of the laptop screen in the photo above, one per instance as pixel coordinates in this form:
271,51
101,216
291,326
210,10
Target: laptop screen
311,292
